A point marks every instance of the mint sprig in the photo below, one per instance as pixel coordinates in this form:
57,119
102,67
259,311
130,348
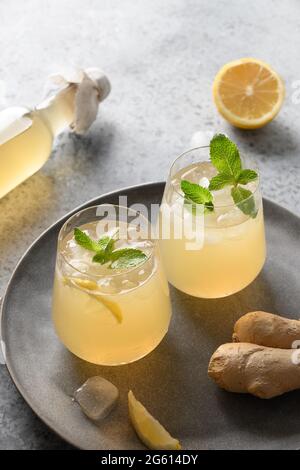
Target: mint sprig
105,252
194,193
225,157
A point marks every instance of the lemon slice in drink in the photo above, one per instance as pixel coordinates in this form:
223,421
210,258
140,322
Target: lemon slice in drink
149,430
248,93
90,285
113,307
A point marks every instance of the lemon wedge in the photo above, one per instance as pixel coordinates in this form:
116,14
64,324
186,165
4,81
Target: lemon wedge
149,430
90,285
113,307
248,93
84,283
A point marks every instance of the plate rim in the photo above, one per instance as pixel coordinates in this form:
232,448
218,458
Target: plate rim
9,366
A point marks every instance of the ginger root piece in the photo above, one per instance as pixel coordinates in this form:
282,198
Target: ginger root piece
267,329
259,370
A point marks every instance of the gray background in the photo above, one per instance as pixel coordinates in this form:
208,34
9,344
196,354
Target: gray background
161,57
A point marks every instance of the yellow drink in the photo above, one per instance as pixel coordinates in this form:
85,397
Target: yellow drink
232,249
25,153
107,317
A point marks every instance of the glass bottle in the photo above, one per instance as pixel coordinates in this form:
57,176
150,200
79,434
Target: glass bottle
26,136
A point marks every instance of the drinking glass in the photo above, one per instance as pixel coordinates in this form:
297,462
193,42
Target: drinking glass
224,249
109,316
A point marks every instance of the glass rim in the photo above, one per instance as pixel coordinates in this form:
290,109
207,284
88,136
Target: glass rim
60,238
256,168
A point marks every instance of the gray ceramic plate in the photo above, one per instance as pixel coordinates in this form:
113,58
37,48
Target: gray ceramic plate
172,381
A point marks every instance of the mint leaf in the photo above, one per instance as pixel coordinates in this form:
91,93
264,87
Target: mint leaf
194,208
198,194
101,257
85,241
225,156
127,258
107,245
220,181
246,176
104,242
244,199
195,192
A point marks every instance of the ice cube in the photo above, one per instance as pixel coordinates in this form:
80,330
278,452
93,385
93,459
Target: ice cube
231,217
201,138
190,174
204,182
97,397
78,264
223,198
78,257
108,286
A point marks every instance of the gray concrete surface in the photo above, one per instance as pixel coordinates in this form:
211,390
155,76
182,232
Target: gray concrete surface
161,57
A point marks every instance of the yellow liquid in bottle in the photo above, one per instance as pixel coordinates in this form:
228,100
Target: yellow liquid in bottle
25,153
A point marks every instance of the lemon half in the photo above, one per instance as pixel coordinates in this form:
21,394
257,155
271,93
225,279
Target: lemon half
248,93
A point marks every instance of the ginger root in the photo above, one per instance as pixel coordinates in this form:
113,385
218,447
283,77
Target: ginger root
259,370
267,329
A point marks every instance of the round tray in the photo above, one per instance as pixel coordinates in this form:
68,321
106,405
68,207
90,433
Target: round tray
172,381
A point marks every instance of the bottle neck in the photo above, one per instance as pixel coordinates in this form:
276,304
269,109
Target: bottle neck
58,111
